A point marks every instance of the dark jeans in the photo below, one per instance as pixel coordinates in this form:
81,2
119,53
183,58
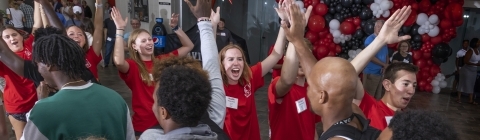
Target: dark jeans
109,45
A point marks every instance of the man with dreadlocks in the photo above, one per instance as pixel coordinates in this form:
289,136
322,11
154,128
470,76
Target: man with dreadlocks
79,109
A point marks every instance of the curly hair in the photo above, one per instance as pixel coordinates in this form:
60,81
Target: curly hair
47,31
187,61
392,70
60,51
421,125
185,93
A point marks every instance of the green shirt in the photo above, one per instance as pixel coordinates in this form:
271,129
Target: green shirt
80,112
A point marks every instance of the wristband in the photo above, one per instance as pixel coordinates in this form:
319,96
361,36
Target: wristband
121,29
119,35
174,29
98,5
204,19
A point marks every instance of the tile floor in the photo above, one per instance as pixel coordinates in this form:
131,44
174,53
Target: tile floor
465,117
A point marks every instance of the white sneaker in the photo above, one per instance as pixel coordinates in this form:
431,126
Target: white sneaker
102,63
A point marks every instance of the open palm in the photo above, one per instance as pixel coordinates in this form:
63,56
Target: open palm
174,20
215,16
117,18
390,29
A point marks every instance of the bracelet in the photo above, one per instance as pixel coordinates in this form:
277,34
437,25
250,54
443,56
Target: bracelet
204,19
174,29
98,5
121,29
119,35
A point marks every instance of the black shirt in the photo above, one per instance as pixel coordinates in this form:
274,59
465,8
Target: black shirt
224,37
397,56
111,28
88,12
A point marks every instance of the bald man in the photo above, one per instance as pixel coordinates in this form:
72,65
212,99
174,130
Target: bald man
334,83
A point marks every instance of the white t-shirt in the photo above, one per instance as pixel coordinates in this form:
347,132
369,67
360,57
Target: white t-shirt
17,17
475,57
461,53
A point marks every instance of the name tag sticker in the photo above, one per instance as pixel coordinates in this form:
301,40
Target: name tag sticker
301,105
223,34
405,61
109,39
232,102
388,118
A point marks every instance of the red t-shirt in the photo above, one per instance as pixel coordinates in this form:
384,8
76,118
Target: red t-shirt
242,123
285,121
276,72
20,93
376,111
142,95
92,61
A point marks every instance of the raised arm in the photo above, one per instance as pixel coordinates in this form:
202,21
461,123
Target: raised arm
187,44
295,33
10,59
98,24
289,72
388,35
119,50
37,18
210,62
52,17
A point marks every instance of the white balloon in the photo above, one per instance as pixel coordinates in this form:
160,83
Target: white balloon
431,26
378,1
336,40
436,90
434,32
334,24
358,51
374,12
336,34
443,84
302,10
343,41
391,4
434,83
351,53
386,13
300,4
349,37
422,18
385,5
427,23
378,15
350,59
427,30
421,31
354,56
433,19
374,7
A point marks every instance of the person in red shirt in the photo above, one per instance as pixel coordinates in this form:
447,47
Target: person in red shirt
289,114
240,83
399,81
92,53
136,72
277,69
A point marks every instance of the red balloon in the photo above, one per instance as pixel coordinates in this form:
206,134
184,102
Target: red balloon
425,38
320,9
323,34
434,70
347,28
420,63
412,18
458,22
417,55
331,53
427,55
314,3
338,49
445,24
357,21
428,88
422,84
316,23
424,6
457,11
436,40
429,63
332,46
311,36
321,52
414,6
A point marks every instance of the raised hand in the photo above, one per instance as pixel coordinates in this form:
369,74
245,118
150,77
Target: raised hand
201,9
117,18
298,21
174,20
389,31
215,16
282,10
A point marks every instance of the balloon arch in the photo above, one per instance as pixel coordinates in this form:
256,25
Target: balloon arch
339,28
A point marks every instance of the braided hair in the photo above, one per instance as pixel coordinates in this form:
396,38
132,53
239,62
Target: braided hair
62,52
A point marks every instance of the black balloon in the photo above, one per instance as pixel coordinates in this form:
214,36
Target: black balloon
327,2
369,27
417,38
331,10
366,14
356,1
358,34
414,30
401,33
406,29
328,18
441,50
437,60
445,60
346,3
338,8
367,2
344,55
338,16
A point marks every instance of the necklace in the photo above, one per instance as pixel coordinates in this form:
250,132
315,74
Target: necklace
70,83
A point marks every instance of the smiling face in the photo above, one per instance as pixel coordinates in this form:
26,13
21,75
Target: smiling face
143,43
402,90
403,47
13,39
234,64
77,35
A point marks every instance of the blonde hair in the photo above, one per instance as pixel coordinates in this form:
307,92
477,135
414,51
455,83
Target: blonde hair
135,56
13,4
246,74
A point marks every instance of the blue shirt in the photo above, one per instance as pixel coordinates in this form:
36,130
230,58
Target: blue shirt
126,36
77,23
382,55
62,18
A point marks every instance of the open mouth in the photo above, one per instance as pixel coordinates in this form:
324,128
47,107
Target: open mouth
236,72
149,48
406,100
14,43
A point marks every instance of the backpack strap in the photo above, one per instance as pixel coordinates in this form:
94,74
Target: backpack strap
348,131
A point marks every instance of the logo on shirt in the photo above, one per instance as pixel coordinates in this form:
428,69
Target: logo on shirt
28,54
248,90
87,64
